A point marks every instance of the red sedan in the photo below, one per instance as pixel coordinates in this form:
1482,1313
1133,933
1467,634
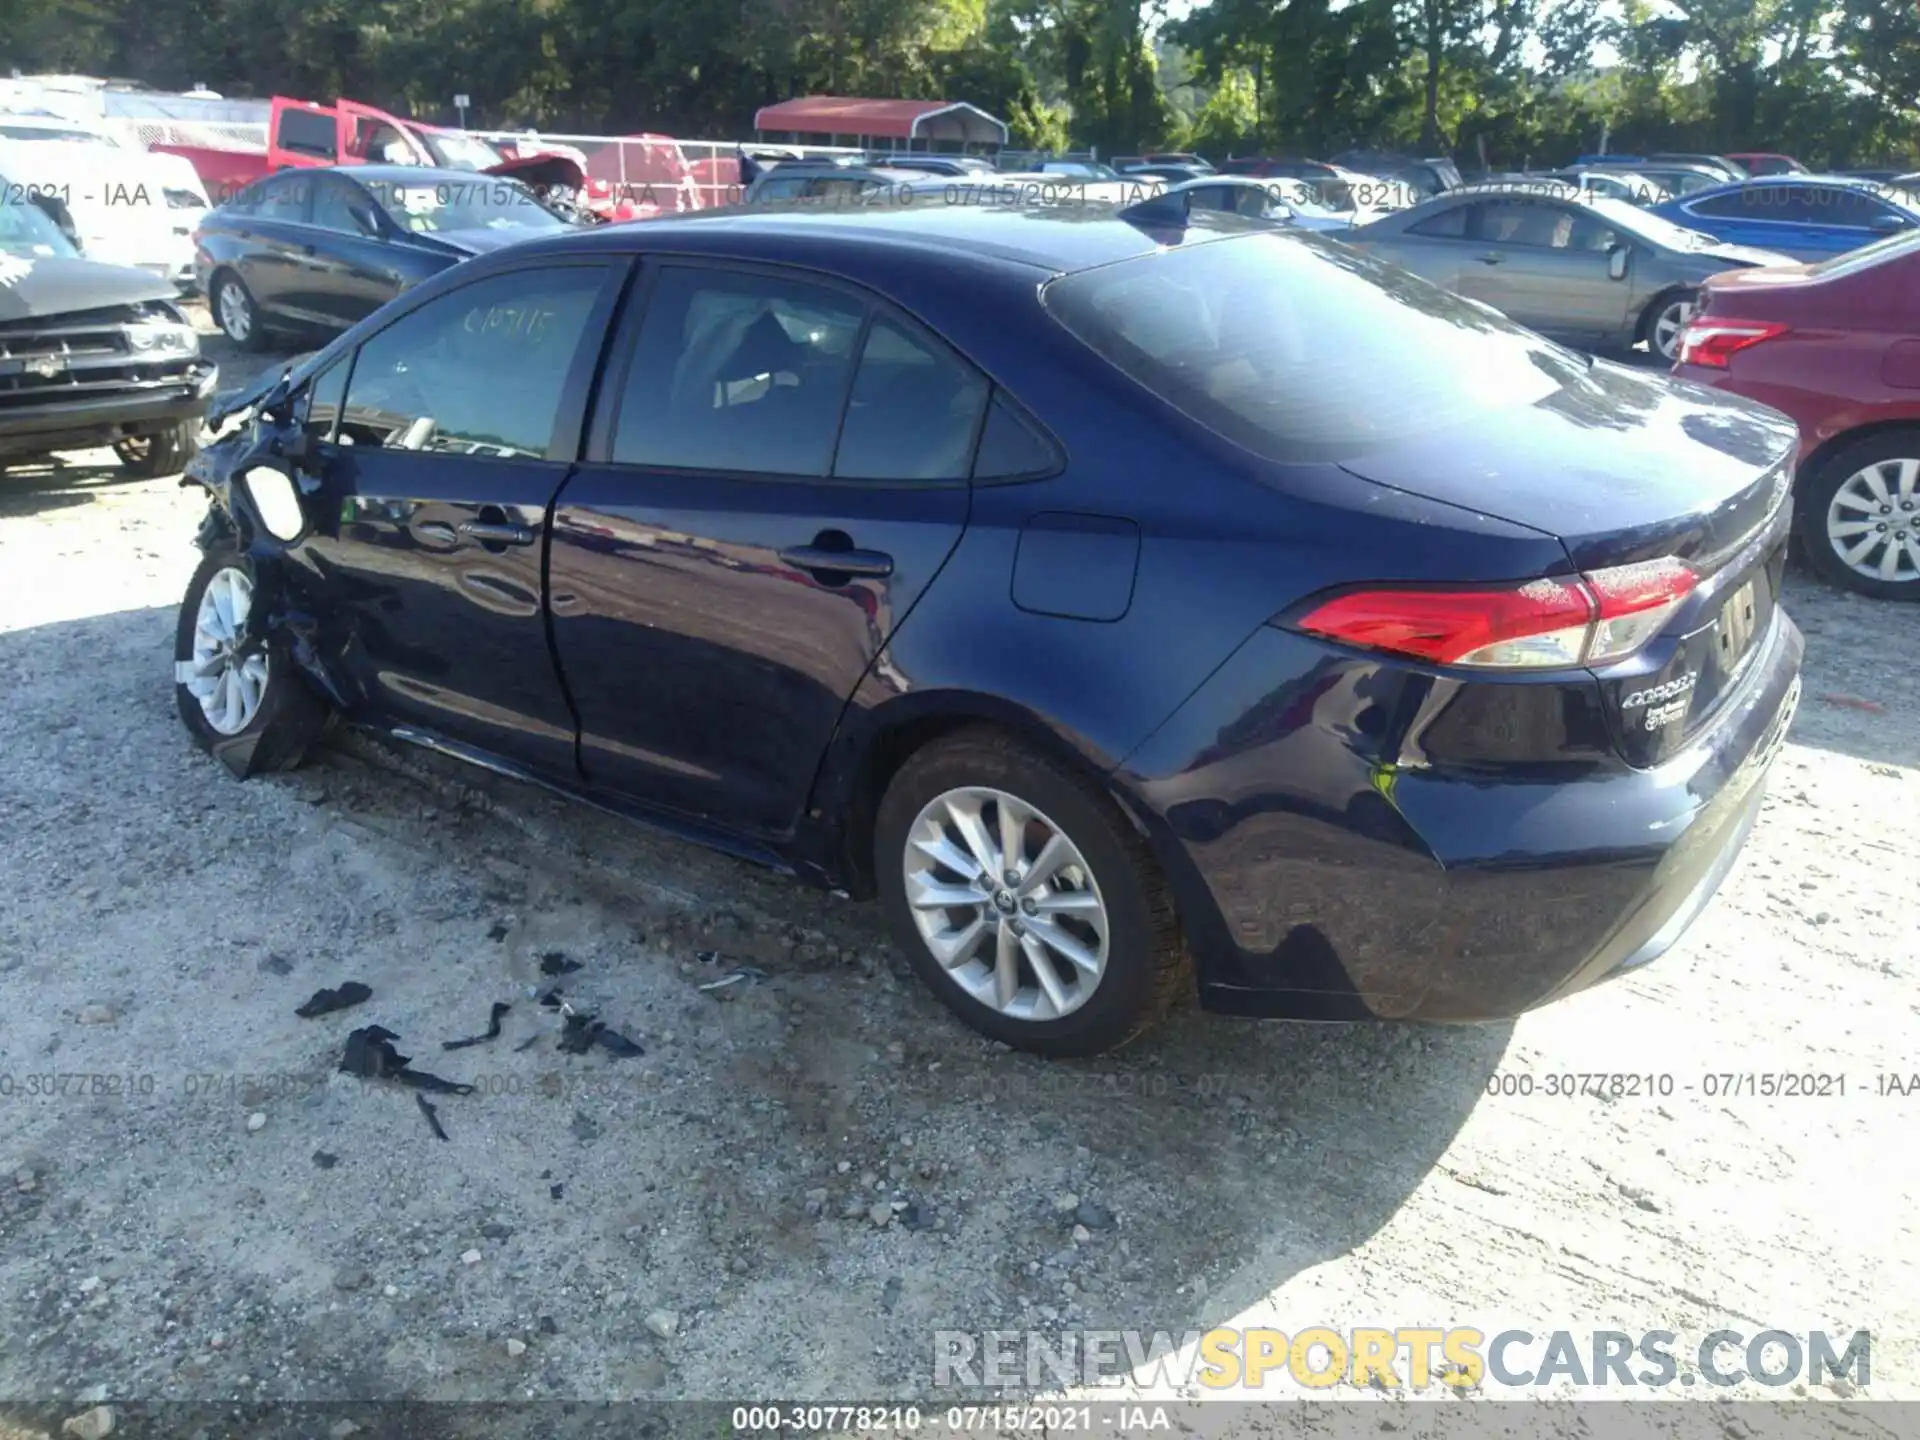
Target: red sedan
1836,345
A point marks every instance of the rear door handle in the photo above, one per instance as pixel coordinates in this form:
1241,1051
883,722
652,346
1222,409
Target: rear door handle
821,561
498,533
1490,258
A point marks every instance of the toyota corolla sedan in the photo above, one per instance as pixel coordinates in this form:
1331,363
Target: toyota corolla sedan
1133,607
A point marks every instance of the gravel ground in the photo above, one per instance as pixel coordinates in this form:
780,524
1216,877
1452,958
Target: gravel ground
805,1176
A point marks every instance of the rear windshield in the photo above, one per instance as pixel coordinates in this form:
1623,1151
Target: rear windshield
1867,256
1302,349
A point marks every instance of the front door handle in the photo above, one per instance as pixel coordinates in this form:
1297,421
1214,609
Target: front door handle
490,532
1490,258
821,560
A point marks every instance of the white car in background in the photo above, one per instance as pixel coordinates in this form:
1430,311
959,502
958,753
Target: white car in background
128,206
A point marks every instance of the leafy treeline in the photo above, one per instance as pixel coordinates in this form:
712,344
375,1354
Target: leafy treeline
1832,81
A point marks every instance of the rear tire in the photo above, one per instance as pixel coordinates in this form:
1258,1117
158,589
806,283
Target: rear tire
1861,504
249,707
234,310
146,457
1100,921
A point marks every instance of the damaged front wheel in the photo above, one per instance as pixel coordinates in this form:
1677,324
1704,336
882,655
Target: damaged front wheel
236,686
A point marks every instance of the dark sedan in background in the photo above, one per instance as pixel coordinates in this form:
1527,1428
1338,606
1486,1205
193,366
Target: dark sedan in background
1835,345
1593,272
1105,596
319,249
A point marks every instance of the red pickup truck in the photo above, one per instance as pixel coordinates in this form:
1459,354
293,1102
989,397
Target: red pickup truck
303,133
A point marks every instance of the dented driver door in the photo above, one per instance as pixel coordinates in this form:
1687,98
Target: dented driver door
455,434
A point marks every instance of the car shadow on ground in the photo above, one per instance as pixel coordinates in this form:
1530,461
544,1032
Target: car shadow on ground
33,487
1219,1157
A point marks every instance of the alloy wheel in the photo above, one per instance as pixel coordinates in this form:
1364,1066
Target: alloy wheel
1006,903
229,683
236,311
1667,326
1873,521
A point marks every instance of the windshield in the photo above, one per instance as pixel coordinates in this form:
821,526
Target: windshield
461,152
25,230
479,204
1233,332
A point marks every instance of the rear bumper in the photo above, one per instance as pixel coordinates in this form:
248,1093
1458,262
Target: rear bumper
1313,885
103,419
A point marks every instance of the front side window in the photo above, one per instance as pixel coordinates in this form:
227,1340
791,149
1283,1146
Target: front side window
738,372
284,199
320,406
342,206
478,371
1448,224
486,202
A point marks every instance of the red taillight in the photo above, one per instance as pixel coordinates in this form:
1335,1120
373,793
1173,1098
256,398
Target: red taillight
1709,340
1591,619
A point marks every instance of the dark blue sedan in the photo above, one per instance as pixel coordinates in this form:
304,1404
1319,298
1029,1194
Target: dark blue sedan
317,249
1127,604
1806,216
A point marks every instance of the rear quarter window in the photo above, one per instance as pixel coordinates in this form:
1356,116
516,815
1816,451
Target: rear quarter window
1302,350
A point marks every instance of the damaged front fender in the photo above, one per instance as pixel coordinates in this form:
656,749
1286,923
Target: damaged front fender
261,502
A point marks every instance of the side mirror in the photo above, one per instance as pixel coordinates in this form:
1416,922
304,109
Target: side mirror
1617,262
1887,224
276,500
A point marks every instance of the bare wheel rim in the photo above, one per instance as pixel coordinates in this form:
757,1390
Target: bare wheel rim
236,316
228,684
1006,903
1873,521
1668,324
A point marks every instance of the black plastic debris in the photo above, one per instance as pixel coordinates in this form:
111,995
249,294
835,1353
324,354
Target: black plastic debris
496,932
370,1054
433,1115
500,1007
555,962
552,999
554,1192
324,1160
548,1325
583,1032
325,1002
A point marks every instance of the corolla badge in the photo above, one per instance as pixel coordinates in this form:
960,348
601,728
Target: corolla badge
1654,694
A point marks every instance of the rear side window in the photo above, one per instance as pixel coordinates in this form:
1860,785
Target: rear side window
738,371
1234,333
284,199
1449,224
913,411
477,371
306,133
1010,448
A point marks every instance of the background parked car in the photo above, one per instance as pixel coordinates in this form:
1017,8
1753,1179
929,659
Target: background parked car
1261,201
1762,162
1592,272
319,249
1835,345
1627,185
1344,192
128,206
935,164
90,354
1676,179
1806,216
1077,169
1172,174
1424,178
1722,166
826,180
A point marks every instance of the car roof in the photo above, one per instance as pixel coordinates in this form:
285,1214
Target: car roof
1802,181
397,174
1058,238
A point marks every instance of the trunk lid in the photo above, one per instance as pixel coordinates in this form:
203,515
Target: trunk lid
1620,464
1625,468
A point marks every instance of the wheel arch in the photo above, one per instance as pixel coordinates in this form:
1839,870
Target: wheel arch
1818,457
1643,327
868,753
